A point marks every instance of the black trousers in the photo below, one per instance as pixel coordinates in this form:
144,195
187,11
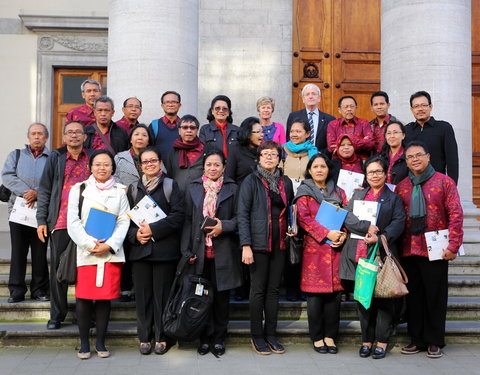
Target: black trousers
152,281
59,240
426,300
22,238
265,278
323,311
216,330
377,323
126,280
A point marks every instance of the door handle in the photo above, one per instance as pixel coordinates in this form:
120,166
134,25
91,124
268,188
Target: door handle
326,85
337,55
338,85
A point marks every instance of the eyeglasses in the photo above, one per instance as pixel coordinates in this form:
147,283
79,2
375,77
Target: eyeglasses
418,155
378,172
133,106
188,127
352,106
392,133
100,165
151,161
171,102
220,109
73,132
418,106
269,155
257,131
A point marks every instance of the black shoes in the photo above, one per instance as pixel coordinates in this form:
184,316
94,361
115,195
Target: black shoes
42,298
379,353
332,349
274,345
15,299
323,349
161,348
218,350
145,348
52,324
260,346
365,351
203,349
410,349
434,351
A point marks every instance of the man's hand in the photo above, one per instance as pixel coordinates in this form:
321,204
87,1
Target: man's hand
42,232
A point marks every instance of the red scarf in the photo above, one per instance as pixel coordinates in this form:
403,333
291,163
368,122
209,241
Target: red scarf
188,152
223,129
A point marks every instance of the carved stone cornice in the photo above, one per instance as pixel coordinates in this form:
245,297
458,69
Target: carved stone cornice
42,23
79,43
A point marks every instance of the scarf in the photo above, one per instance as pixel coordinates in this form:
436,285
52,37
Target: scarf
152,183
223,130
136,162
212,189
101,185
195,146
269,131
349,163
418,208
302,147
272,179
309,188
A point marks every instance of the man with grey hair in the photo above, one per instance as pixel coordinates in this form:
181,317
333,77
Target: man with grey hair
21,175
91,91
318,120
104,133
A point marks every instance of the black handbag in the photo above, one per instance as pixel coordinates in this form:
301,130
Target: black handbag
295,249
67,266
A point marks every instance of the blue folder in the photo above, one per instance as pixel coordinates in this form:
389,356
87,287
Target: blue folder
331,217
100,224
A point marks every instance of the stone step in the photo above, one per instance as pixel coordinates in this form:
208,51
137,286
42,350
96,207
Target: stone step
464,285
125,333
472,249
459,308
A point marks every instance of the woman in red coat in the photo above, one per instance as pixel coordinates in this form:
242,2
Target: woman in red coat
321,261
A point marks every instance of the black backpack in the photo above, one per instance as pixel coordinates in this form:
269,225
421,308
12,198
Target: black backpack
189,305
5,193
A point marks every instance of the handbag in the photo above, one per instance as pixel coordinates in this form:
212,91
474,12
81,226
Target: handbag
67,266
391,277
5,192
365,278
295,249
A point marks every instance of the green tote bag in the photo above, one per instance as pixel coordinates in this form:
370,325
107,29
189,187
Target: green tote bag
365,278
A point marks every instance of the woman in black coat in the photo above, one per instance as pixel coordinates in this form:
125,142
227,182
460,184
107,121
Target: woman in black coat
154,250
215,249
262,224
378,321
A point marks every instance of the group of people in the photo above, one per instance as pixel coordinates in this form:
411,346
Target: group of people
245,178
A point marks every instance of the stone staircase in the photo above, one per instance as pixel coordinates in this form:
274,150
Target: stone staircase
24,323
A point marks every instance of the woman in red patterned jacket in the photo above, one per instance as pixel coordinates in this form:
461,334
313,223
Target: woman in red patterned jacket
320,265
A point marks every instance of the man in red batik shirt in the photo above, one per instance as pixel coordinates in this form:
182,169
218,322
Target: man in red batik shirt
91,91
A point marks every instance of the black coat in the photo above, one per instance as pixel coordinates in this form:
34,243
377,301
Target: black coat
323,120
183,176
242,161
118,138
166,232
228,258
399,169
252,211
390,221
211,136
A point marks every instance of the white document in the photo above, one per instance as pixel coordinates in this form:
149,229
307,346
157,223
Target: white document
365,210
349,181
146,211
437,243
22,214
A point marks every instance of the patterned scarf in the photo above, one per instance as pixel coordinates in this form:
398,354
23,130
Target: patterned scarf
418,207
101,185
136,162
152,183
272,179
212,189
302,147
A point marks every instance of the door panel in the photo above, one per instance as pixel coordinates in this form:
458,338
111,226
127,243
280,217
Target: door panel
476,101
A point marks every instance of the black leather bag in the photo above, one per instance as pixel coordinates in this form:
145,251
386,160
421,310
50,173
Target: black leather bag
295,249
67,267
5,193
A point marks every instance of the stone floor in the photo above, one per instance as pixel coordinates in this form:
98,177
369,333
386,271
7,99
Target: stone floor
239,359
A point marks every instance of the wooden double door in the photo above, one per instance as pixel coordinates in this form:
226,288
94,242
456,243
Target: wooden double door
336,45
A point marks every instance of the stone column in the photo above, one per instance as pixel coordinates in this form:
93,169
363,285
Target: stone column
426,45
152,48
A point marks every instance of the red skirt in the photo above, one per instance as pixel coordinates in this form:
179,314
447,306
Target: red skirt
86,282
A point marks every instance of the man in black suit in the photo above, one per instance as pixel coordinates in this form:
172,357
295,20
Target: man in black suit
311,98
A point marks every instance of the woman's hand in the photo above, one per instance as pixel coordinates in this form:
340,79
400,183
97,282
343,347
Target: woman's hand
100,248
142,237
340,241
371,238
247,255
334,235
216,230
448,255
373,229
